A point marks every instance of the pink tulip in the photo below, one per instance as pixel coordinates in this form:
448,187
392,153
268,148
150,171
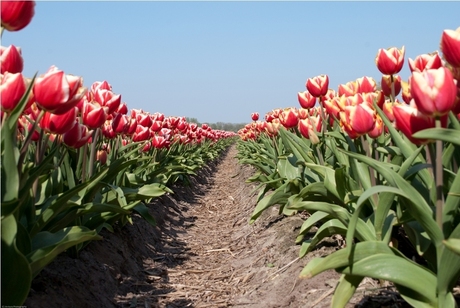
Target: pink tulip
434,91
12,89
16,15
57,92
59,123
425,61
11,59
390,61
450,46
306,100
318,85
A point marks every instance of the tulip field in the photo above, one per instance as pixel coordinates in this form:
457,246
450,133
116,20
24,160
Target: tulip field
374,164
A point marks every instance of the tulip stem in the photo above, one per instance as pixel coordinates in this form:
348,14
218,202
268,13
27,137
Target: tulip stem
439,180
92,157
392,85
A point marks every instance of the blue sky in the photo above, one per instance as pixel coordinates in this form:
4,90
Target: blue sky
221,61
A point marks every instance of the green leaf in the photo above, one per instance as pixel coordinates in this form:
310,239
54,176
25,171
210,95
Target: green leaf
345,289
144,212
16,272
453,244
277,197
444,134
46,245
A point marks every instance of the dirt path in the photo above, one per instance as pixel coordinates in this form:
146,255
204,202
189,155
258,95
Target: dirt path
203,253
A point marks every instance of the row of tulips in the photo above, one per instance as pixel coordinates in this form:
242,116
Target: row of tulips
76,160
371,163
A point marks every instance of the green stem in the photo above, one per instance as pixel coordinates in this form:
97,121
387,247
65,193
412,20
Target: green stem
92,158
439,180
392,84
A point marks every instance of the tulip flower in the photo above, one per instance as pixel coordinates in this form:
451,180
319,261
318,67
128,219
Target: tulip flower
332,107
425,61
378,128
12,89
11,59
144,119
357,120
450,46
100,85
77,136
101,156
386,84
107,99
289,118
348,89
58,123
93,115
390,61
122,108
107,130
16,15
141,134
57,92
119,123
405,94
255,116
434,91
318,85
366,85
306,100
409,120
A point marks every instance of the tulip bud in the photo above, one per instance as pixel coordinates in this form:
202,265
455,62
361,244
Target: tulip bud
318,85
255,116
12,89
306,100
425,61
390,61
11,59
289,118
450,46
16,15
59,123
366,85
434,91
386,84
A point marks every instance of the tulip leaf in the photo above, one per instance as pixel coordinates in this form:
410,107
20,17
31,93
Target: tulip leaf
345,289
314,218
144,212
16,272
277,197
327,229
453,244
444,134
46,245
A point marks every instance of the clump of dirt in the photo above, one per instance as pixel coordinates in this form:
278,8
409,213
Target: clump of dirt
202,253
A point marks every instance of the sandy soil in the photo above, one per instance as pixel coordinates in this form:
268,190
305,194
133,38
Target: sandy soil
202,253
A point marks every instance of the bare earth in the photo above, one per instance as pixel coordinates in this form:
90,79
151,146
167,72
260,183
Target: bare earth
202,253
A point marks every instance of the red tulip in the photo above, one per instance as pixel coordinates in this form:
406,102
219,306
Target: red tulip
107,99
358,120
11,59
120,123
409,120
56,92
107,130
142,133
122,108
255,116
434,91
406,95
16,15
93,115
100,85
386,84
101,156
450,46
390,61
425,61
306,100
12,89
378,128
77,136
366,85
58,123
318,85
289,118
348,89
332,108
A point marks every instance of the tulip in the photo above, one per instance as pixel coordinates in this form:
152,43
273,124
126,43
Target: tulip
434,91
100,85
94,115
255,116
141,134
318,85
306,100
366,85
409,120
332,107
390,61
77,136
11,59
107,130
357,120
450,46
386,84
122,108
58,123
12,89
16,15
120,123
348,89
378,128
56,92
101,156
289,118
425,61
108,99
144,119
405,94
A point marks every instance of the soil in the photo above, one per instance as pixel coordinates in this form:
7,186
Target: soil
202,253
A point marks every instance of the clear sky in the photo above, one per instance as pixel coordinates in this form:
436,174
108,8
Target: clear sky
221,61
